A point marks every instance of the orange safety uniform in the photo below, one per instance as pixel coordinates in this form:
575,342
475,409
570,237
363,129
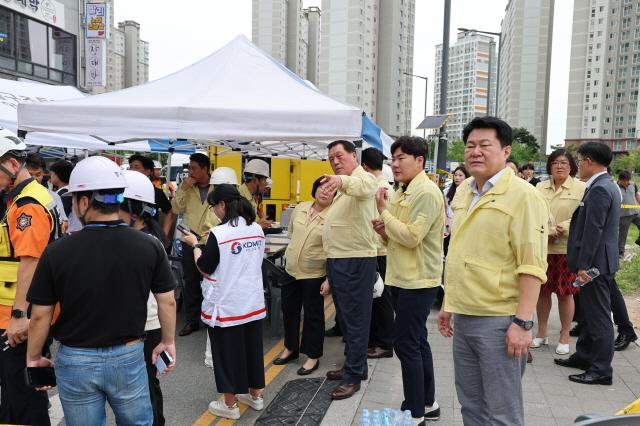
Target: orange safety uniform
29,223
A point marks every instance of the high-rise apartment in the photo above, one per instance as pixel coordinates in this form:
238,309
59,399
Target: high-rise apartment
605,74
289,33
313,16
525,65
471,90
366,48
396,20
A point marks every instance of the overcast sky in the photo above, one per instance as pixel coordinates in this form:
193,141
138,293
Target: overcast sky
180,35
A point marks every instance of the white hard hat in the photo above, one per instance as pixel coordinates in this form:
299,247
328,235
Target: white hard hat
139,187
223,175
388,173
257,167
10,142
95,173
156,164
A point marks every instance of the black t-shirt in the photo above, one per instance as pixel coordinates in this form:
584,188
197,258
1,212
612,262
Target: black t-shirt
162,202
67,202
101,276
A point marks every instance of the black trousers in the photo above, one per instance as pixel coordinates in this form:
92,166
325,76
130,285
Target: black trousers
352,282
595,344
153,339
20,404
381,330
192,291
618,308
304,294
237,357
410,342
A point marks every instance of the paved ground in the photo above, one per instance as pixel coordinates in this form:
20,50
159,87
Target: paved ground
550,399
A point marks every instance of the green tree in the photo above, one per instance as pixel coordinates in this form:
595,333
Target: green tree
455,151
522,135
523,153
629,161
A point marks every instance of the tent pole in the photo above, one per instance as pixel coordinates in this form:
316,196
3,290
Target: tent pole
170,151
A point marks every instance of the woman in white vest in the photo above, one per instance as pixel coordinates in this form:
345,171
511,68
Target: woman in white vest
233,300
138,210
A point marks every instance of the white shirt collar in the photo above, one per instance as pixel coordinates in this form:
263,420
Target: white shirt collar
594,177
488,184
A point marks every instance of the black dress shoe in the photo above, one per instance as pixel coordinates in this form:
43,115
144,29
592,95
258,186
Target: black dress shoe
337,375
575,331
623,341
529,357
282,361
568,362
344,391
591,379
304,372
375,353
189,328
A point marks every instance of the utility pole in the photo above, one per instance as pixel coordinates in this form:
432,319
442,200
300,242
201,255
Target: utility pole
441,161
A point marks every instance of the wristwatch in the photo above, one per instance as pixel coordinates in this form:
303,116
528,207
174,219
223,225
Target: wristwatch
527,325
17,313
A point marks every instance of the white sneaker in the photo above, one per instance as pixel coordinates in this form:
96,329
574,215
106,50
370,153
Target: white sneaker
563,349
539,341
432,413
208,362
220,409
257,404
417,421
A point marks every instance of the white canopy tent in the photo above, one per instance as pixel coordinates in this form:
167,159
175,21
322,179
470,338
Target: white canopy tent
238,93
14,92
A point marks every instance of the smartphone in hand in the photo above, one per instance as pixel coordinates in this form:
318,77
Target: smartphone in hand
186,230
163,361
39,377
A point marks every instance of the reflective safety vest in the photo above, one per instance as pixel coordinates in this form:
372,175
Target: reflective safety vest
233,294
8,262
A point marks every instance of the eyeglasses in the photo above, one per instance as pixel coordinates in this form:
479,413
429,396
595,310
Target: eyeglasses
559,163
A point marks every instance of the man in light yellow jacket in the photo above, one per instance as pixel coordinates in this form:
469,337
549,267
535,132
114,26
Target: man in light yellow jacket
350,245
412,224
496,263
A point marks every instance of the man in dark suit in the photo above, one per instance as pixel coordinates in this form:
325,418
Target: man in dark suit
593,242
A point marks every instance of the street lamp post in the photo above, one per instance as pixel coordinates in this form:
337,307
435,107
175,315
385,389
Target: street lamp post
441,146
426,85
499,35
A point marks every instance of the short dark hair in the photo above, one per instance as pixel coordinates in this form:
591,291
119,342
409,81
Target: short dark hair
624,175
147,163
529,166
596,151
35,161
411,145
504,133
315,186
235,204
102,208
198,157
348,146
372,158
561,152
63,169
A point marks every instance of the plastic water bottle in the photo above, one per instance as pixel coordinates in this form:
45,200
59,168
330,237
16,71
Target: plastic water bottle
376,419
593,273
364,420
407,420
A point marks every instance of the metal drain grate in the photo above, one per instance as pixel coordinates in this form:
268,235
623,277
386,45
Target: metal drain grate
301,402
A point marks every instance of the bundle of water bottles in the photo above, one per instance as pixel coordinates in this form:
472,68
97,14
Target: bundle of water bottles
388,417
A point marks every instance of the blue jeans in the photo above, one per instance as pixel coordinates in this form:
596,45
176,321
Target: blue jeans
87,377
